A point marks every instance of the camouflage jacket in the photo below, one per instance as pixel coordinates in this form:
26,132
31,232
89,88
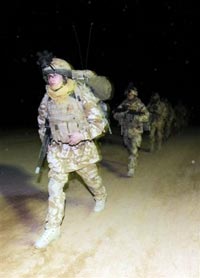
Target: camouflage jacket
158,111
131,114
80,113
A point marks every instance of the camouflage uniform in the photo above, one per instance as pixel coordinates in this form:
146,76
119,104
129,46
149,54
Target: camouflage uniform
131,114
75,120
158,114
73,115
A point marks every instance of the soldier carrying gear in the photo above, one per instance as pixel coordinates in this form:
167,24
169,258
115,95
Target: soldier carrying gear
75,121
131,114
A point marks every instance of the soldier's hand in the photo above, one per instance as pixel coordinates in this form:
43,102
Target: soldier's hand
75,138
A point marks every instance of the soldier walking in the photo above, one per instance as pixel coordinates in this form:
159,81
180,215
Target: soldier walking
75,120
158,114
131,114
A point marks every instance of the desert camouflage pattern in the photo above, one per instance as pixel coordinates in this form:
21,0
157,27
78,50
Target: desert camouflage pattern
158,114
131,114
80,112
57,198
63,158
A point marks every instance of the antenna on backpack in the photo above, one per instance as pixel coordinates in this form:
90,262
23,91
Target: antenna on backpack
88,46
79,47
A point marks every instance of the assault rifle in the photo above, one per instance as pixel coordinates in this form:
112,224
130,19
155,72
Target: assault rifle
128,114
126,117
43,149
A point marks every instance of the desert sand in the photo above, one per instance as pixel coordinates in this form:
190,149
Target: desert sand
150,227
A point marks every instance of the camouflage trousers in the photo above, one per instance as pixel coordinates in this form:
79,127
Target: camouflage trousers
56,201
133,145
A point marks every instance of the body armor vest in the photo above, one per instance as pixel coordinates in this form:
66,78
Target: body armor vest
66,118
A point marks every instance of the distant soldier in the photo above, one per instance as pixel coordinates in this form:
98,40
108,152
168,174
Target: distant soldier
131,114
158,114
181,115
170,119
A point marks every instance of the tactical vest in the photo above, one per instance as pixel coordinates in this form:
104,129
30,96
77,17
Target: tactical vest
66,118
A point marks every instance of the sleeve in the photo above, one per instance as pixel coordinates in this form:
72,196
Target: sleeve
118,113
42,115
94,115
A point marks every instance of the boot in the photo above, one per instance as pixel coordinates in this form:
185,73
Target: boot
130,172
99,205
47,237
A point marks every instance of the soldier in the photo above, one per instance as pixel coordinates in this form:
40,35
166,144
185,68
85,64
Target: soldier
181,115
131,114
75,121
158,114
170,119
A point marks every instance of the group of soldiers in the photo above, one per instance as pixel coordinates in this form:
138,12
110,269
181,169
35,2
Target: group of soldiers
159,118
72,117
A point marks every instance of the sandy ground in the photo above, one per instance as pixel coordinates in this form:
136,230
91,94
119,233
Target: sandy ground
149,229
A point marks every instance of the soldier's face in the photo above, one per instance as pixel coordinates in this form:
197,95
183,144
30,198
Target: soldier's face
131,95
55,80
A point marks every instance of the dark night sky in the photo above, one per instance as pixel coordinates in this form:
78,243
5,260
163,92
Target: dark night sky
147,42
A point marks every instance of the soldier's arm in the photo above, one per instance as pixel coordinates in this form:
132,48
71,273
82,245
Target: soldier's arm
119,112
42,116
96,124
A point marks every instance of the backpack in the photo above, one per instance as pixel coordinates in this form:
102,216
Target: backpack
101,88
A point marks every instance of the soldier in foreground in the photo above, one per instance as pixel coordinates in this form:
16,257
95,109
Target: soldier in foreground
131,114
75,120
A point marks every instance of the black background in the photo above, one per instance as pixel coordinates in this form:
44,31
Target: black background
152,43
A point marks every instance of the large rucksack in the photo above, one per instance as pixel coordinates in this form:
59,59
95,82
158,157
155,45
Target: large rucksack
100,86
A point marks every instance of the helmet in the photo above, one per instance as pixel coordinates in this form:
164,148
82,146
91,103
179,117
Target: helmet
133,91
59,66
155,96
131,88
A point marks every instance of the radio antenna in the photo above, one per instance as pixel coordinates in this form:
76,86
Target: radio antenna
88,46
79,47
